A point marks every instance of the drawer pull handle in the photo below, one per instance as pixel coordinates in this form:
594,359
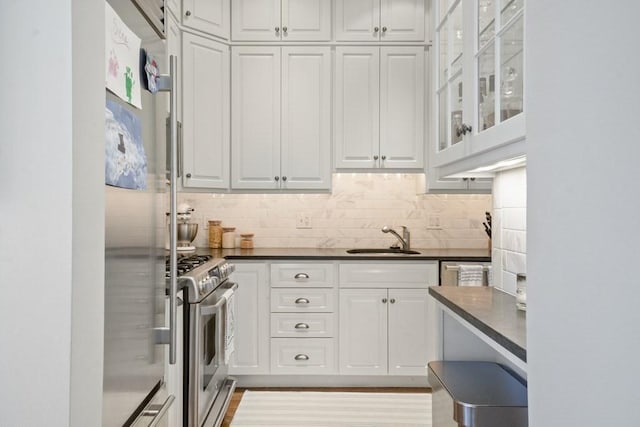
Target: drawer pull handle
301,326
301,357
302,301
301,276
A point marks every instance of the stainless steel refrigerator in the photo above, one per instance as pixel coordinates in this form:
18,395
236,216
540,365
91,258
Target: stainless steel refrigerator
136,330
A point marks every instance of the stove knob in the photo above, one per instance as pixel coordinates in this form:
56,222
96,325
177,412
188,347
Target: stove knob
203,285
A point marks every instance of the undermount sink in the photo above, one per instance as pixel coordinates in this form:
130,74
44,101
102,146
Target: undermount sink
382,251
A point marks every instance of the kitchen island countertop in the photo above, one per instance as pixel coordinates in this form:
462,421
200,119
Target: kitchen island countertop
491,311
311,254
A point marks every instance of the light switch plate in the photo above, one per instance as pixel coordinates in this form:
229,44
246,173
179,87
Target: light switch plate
433,222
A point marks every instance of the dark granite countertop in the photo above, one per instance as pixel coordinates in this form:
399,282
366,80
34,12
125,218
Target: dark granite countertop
311,254
491,311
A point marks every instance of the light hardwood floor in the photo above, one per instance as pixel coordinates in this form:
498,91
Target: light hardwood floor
237,395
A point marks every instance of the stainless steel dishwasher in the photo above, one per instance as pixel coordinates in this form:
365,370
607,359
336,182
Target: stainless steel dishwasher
450,272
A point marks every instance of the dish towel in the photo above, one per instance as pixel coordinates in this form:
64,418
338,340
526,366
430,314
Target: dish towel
470,275
230,328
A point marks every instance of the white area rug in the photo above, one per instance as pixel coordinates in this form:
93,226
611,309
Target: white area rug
323,409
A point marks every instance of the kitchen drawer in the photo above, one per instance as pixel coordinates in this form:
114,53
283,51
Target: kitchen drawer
303,356
389,275
302,275
295,300
302,325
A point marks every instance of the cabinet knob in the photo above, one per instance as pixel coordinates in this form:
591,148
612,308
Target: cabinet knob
302,301
375,157
463,129
376,29
277,29
284,29
277,178
187,13
301,357
392,300
384,29
301,276
301,326
284,178
188,175
384,157
384,300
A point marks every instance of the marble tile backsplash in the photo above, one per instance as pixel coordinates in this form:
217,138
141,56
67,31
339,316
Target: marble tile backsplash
350,216
509,231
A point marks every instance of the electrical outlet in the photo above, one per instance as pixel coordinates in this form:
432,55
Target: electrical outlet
433,222
303,220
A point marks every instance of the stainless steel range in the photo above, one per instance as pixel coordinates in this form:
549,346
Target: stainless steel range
209,330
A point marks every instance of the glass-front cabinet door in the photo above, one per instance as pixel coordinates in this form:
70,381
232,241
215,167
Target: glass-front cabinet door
449,85
478,95
498,72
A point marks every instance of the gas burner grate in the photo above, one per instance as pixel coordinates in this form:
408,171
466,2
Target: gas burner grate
186,263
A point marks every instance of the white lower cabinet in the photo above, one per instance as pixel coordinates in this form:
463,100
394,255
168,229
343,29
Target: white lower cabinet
303,305
251,355
384,318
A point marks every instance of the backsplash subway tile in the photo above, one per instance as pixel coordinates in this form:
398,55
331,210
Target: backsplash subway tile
351,216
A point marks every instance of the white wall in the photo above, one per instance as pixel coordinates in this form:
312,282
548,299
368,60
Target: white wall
50,267
509,228
351,216
583,320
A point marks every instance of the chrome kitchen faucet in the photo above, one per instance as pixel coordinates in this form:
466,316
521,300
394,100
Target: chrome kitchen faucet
405,240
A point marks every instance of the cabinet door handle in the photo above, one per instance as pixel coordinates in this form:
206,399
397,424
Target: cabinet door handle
384,300
188,175
284,178
302,301
277,29
384,29
375,157
187,13
384,158
463,129
376,29
392,300
301,357
277,178
301,276
301,326
284,29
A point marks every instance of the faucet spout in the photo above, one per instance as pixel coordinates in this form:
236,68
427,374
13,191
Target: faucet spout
405,239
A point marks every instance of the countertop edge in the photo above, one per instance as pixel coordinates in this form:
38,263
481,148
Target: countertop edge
511,346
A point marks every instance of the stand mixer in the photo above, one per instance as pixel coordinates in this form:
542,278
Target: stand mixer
186,231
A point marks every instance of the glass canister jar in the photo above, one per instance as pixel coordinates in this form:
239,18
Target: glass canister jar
215,234
246,241
228,237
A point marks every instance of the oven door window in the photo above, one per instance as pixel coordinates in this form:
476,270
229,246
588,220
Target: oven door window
210,348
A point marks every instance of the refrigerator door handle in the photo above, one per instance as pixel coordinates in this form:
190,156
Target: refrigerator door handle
170,84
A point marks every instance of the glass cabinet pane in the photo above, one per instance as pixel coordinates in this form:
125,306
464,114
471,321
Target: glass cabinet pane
457,119
486,21
509,9
457,38
444,60
444,6
442,119
486,88
511,69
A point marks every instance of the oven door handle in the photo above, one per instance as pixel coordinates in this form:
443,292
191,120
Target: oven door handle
208,310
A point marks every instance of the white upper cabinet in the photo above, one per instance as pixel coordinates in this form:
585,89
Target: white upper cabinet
208,16
478,95
281,117
379,107
286,20
205,113
380,20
